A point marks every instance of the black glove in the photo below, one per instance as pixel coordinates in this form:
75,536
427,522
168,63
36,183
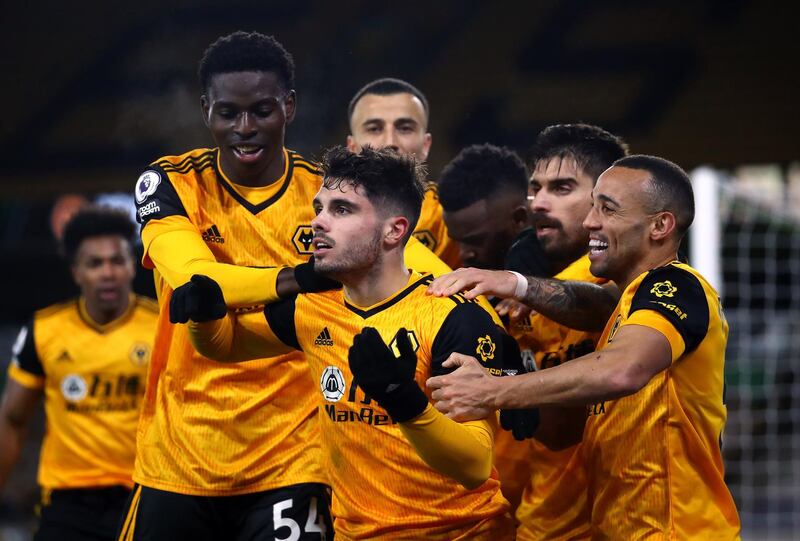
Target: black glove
311,282
521,423
199,300
387,379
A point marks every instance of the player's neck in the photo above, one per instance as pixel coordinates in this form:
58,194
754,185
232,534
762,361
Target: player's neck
654,261
271,172
379,282
559,263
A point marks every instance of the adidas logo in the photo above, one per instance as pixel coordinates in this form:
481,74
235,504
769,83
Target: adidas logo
324,338
64,357
212,234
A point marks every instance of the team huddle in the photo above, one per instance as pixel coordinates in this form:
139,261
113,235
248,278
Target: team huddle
315,368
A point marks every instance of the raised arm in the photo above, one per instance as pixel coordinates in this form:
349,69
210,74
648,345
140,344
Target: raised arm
578,305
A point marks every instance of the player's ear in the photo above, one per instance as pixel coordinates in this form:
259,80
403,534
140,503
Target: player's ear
396,229
662,225
289,104
520,217
352,146
426,147
205,107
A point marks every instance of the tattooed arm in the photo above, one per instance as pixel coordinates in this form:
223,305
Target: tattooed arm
578,305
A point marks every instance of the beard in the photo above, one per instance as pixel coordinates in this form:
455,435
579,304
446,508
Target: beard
354,258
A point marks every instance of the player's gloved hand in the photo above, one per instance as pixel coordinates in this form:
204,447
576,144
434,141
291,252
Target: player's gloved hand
200,300
387,379
521,423
311,282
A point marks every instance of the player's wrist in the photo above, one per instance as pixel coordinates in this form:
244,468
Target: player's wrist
405,402
495,392
516,285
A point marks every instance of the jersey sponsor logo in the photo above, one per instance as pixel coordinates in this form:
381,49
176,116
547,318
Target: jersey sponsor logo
146,185
302,239
212,234
332,384
485,348
365,415
672,308
353,409
140,353
426,238
105,392
74,388
324,338
663,289
150,208
412,337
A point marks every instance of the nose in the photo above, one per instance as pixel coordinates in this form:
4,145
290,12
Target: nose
245,125
540,202
390,139
318,223
108,270
591,222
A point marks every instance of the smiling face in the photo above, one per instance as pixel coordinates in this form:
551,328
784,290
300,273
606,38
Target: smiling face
247,113
562,197
103,268
618,224
395,121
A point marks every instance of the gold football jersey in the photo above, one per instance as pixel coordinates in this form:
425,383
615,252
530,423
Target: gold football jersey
93,379
553,482
209,428
554,503
382,489
432,231
654,461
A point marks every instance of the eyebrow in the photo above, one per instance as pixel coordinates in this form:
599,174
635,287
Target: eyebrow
562,180
336,201
607,199
402,120
272,100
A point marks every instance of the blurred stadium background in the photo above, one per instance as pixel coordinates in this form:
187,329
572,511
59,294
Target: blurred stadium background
96,90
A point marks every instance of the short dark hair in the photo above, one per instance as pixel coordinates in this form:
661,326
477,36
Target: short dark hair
593,148
391,181
246,51
481,172
95,221
670,188
388,86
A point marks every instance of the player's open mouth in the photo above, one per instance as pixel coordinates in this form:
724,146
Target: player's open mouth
321,245
597,246
247,153
108,294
